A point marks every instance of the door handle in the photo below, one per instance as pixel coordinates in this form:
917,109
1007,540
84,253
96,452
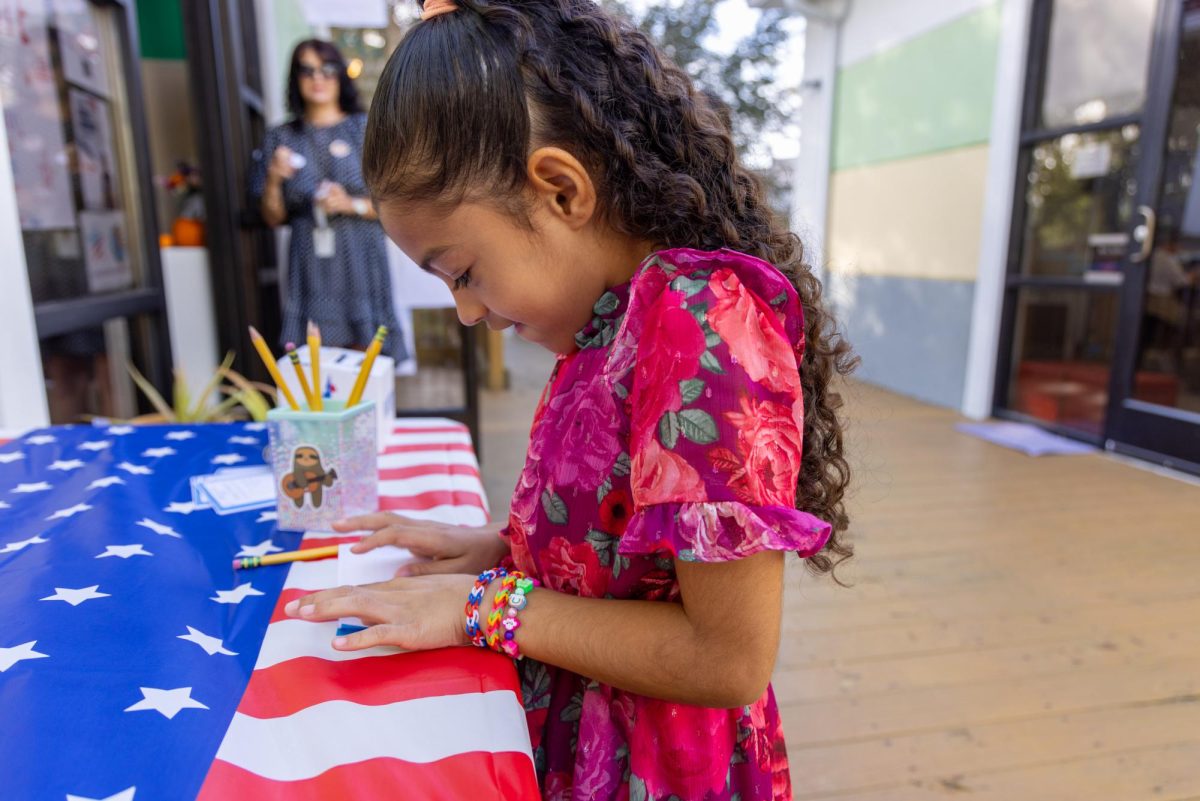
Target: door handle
1144,235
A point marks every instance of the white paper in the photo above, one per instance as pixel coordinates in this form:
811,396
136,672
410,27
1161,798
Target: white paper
105,250
238,492
79,45
33,118
93,145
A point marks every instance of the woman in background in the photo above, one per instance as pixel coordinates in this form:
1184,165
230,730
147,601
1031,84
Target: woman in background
308,175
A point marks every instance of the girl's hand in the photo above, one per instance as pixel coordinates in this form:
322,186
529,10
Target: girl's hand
281,167
416,614
449,549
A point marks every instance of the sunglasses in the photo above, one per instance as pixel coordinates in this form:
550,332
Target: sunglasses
328,70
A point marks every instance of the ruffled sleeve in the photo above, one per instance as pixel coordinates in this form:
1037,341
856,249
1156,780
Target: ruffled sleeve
716,411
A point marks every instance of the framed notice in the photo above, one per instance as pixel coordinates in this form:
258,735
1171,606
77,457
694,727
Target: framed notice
79,44
105,250
93,147
33,118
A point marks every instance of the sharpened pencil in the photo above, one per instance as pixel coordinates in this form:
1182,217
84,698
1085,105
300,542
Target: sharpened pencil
306,555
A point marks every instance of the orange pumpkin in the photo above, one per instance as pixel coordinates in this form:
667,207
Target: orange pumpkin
188,232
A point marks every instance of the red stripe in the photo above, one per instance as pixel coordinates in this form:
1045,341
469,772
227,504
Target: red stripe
321,542
428,500
474,776
296,684
452,428
443,446
285,597
393,473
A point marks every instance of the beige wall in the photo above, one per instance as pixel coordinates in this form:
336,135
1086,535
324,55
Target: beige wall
916,218
169,125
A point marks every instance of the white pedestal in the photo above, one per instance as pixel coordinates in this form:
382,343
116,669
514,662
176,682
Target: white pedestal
190,315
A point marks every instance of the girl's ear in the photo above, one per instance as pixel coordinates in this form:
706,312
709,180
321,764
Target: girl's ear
562,186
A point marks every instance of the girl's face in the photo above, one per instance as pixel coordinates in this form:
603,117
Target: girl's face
318,79
544,283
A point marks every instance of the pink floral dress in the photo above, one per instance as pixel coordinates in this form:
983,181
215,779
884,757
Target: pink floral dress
672,433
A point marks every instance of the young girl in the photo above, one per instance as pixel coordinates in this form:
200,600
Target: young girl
564,178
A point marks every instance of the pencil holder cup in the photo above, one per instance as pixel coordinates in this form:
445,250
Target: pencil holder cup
324,463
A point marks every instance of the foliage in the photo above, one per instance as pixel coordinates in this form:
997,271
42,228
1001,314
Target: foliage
243,398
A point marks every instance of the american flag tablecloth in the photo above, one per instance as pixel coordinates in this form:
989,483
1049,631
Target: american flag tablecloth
136,665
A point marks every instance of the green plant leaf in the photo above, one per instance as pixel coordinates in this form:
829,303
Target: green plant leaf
668,430
698,426
622,465
691,389
156,400
603,490
214,381
556,510
637,788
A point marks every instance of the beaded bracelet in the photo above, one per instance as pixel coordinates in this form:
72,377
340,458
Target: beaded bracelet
474,598
498,603
516,602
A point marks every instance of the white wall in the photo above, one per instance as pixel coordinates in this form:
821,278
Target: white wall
22,387
873,26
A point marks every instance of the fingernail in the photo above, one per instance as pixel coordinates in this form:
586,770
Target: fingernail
339,642
291,607
401,572
307,610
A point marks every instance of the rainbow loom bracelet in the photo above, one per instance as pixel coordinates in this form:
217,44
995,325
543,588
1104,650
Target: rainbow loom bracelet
498,603
516,602
474,598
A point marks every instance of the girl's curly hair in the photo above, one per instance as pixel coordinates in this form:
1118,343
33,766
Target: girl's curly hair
467,95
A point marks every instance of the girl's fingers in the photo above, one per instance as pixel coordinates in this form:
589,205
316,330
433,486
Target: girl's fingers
431,567
382,634
371,522
343,602
419,539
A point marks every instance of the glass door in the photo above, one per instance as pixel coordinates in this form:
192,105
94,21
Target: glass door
1155,390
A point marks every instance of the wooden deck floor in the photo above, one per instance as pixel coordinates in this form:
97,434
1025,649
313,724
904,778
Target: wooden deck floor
1019,629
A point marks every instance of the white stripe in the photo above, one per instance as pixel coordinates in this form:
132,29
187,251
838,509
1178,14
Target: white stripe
434,458
453,515
434,438
292,639
317,575
402,423
313,740
404,487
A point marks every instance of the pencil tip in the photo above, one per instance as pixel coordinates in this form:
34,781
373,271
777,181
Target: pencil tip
254,333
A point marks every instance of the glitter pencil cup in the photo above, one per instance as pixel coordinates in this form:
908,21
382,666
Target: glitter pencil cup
324,463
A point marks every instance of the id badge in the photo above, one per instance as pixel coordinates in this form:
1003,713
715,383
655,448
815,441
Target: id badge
323,243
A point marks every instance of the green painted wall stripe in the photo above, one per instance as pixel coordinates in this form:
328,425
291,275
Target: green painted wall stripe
160,29
928,94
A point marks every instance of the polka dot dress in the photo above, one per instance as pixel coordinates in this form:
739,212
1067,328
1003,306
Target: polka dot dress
347,293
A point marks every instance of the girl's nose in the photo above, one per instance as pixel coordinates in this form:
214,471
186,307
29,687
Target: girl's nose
470,312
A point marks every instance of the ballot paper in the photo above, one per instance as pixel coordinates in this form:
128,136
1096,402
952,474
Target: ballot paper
234,489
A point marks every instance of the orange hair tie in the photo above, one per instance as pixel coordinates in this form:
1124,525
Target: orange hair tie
434,8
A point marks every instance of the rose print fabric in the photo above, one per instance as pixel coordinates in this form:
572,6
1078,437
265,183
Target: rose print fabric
672,433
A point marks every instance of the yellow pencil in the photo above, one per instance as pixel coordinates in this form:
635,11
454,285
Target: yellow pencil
314,353
295,357
364,372
260,345
306,555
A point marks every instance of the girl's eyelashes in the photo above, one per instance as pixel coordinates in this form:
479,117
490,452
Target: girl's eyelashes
463,280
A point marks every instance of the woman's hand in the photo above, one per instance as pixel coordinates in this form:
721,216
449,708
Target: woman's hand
281,167
334,199
448,549
416,614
